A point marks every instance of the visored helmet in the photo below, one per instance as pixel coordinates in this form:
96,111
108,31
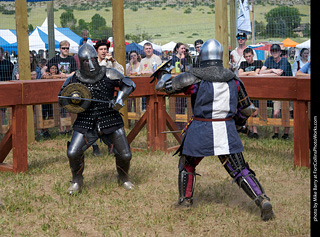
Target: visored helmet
211,53
89,65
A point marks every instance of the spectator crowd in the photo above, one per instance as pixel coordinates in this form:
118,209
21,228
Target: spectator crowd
242,61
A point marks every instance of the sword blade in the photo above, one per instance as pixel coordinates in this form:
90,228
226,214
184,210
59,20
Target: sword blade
177,131
85,99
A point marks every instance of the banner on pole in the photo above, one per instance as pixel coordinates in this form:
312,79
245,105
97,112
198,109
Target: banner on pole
244,23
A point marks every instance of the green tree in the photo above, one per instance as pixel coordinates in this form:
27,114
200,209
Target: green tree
281,21
67,20
98,27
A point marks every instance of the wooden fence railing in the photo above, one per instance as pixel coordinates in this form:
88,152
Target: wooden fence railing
19,94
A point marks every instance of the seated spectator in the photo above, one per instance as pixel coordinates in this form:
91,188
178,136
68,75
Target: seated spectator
150,62
278,66
53,72
134,64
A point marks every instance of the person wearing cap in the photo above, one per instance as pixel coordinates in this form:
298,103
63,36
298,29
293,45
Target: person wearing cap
236,56
278,66
197,44
104,57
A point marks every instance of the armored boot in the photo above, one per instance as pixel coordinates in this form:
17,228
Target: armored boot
187,179
123,170
76,183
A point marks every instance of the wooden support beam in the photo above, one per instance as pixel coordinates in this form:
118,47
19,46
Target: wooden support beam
221,19
23,53
301,134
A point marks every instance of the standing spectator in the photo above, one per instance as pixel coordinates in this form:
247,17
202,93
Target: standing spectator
33,67
236,56
151,61
43,65
305,70
179,55
6,67
251,67
301,60
133,66
197,44
66,68
105,58
279,66
84,38
66,64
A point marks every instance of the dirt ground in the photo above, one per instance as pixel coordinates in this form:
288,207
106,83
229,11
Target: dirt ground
36,203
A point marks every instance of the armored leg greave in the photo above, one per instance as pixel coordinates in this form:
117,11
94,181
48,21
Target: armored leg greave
239,170
123,156
187,179
75,154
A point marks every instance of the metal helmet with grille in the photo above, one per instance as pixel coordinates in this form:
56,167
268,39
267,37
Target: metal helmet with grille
211,53
89,66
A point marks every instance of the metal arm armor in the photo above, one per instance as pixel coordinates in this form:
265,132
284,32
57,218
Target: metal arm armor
114,74
127,86
245,107
177,84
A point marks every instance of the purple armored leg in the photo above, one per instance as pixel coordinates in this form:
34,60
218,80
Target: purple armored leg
245,178
241,173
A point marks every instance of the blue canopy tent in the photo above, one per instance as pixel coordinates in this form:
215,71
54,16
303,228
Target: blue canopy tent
8,39
137,47
134,47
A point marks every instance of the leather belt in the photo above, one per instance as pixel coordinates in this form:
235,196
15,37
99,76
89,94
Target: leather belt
212,120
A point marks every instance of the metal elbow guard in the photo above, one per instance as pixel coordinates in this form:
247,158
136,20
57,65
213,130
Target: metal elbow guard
114,74
243,114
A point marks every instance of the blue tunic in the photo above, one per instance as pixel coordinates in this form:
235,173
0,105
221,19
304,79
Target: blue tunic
214,100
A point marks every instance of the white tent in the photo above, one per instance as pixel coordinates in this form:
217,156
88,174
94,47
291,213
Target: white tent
155,46
169,46
45,23
38,39
10,36
306,44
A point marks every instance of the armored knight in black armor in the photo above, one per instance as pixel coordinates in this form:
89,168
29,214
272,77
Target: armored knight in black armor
98,116
220,106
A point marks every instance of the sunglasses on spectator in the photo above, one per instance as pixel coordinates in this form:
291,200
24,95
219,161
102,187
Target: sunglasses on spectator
65,48
242,37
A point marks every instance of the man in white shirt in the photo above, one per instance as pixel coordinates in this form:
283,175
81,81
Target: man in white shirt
236,56
151,60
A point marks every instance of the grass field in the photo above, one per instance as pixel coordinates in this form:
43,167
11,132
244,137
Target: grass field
36,203
163,24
